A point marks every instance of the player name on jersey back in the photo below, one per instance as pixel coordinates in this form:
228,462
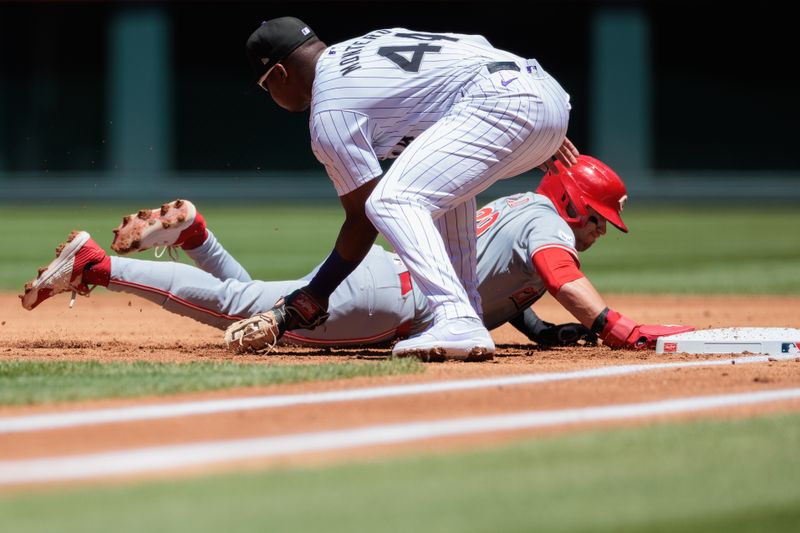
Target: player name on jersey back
400,81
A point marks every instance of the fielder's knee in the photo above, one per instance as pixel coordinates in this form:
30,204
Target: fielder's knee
377,207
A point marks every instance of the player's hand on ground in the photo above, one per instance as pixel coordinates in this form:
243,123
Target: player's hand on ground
566,153
645,336
571,334
619,331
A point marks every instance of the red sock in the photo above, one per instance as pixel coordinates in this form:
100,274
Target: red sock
98,273
196,239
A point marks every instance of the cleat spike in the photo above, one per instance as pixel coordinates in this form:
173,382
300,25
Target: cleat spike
168,225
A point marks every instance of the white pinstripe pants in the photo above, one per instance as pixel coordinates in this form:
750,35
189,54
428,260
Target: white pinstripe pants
425,204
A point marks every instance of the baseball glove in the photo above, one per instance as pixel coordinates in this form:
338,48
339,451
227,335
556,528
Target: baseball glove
257,334
260,333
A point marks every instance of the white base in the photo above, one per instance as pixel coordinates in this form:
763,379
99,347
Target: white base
770,341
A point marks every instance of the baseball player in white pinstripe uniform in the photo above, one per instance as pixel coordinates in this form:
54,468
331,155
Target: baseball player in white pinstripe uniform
457,113
527,244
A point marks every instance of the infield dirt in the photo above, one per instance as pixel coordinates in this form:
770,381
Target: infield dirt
112,327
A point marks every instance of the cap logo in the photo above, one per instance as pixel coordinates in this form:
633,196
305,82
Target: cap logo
305,30
264,60
622,202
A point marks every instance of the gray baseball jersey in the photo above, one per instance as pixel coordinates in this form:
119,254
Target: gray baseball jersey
510,230
375,304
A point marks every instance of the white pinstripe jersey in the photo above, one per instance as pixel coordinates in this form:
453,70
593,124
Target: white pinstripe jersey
373,94
510,230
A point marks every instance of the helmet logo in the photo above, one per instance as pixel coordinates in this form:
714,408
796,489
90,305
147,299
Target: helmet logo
622,202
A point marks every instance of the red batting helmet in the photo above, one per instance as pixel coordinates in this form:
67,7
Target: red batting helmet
587,183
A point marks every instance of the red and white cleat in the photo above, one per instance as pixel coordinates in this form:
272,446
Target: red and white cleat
65,272
174,224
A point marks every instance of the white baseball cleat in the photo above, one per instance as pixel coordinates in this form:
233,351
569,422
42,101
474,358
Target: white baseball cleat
169,226
65,272
462,339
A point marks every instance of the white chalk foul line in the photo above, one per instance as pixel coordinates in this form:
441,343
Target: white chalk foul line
44,421
138,461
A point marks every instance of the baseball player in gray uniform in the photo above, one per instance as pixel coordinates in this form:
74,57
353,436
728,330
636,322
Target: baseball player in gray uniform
455,112
526,246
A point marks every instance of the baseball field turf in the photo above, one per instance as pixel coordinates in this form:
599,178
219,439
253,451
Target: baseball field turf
684,249
707,474
731,476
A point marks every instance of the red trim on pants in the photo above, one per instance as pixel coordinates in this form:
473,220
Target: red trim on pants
169,296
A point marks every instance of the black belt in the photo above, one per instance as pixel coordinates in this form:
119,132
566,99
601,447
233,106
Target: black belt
501,65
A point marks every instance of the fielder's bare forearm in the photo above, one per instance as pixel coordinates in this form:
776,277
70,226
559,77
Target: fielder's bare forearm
580,298
357,234
355,239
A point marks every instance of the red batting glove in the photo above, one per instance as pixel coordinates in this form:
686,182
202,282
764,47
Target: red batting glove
620,331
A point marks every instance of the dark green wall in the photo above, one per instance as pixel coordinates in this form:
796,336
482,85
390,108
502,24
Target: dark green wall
724,88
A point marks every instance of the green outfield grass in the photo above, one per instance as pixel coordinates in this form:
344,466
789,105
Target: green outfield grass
736,250
745,250
273,242
33,382
727,476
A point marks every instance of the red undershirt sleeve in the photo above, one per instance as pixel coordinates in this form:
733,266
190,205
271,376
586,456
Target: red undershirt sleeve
556,265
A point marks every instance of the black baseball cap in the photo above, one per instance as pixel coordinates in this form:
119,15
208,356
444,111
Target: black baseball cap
273,41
